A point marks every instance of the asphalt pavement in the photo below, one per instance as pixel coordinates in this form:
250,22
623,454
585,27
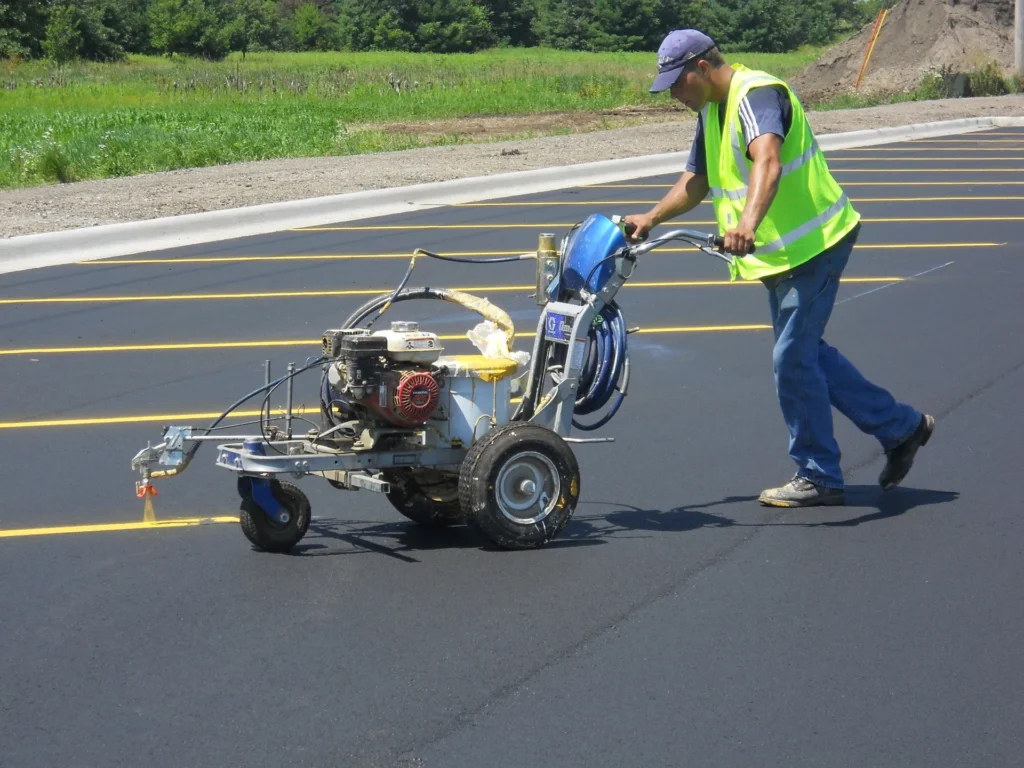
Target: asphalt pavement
675,621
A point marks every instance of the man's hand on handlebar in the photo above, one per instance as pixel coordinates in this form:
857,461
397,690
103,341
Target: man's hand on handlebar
739,241
638,226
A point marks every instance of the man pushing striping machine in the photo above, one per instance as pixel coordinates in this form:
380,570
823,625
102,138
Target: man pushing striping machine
438,434
774,190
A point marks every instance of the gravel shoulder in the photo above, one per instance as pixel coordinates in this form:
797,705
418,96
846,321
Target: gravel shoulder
85,204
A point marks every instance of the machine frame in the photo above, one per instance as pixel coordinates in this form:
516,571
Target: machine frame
575,288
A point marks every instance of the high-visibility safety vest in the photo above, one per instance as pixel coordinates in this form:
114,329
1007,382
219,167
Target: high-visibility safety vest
810,212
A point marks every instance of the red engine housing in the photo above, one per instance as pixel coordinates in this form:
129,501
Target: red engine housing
407,398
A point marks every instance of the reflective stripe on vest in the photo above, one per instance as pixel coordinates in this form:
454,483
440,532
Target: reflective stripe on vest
804,229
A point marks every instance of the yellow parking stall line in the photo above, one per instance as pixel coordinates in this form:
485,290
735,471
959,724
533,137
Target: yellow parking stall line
309,257
923,149
924,219
926,182
184,522
833,159
342,256
559,225
365,291
531,204
142,418
182,346
969,141
933,170
410,227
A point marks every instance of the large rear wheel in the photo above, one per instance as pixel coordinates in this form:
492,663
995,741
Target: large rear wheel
519,485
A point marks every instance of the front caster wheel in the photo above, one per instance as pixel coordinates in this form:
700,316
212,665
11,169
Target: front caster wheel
519,485
425,496
260,498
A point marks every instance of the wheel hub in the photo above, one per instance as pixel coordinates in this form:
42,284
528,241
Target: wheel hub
527,488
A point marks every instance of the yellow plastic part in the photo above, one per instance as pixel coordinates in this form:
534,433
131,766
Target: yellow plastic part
486,368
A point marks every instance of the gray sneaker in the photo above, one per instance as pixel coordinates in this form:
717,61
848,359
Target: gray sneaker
901,458
800,492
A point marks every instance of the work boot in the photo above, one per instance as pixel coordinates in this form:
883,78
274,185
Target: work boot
900,459
800,492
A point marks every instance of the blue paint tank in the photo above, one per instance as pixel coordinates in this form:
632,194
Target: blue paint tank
596,238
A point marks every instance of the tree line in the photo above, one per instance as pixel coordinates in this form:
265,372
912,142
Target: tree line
107,30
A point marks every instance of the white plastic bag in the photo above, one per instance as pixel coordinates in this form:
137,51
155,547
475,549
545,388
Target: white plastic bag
489,339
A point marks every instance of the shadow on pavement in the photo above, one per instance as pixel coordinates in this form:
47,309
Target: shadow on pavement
691,517
401,540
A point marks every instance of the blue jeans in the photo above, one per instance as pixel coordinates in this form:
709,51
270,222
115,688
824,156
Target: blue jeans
811,376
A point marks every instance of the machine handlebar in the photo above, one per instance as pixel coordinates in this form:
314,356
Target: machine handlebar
703,240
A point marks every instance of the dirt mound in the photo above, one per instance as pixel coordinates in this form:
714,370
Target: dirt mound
920,37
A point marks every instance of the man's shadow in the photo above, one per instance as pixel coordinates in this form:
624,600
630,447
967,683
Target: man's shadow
886,504
690,517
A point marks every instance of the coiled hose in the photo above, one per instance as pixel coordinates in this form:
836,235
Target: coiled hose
606,369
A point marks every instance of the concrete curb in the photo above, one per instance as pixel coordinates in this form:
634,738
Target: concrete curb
103,242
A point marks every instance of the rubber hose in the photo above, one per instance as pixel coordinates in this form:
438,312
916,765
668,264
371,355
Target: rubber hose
606,368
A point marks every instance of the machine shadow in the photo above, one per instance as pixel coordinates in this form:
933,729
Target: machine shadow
402,540
399,540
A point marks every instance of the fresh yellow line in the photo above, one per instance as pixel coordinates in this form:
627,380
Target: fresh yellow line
298,410
159,347
943,218
554,225
308,257
708,202
316,342
704,328
912,246
832,155
931,170
107,527
367,291
964,141
383,227
861,159
167,418
319,257
928,183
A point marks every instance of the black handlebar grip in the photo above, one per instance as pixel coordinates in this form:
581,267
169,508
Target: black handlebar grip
628,229
720,243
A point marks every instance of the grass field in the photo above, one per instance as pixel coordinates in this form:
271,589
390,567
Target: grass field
152,114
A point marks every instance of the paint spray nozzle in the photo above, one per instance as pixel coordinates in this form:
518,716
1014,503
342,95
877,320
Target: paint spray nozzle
144,488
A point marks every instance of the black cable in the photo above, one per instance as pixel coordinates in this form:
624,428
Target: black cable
495,260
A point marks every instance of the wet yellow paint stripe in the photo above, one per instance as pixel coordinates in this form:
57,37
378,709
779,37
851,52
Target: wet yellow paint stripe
373,292
481,254
855,159
968,142
832,155
178,346
670,225
929,170
923,183
185,522
142,418
708,202
307,257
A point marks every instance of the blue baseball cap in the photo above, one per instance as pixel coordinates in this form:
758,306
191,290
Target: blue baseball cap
678,47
